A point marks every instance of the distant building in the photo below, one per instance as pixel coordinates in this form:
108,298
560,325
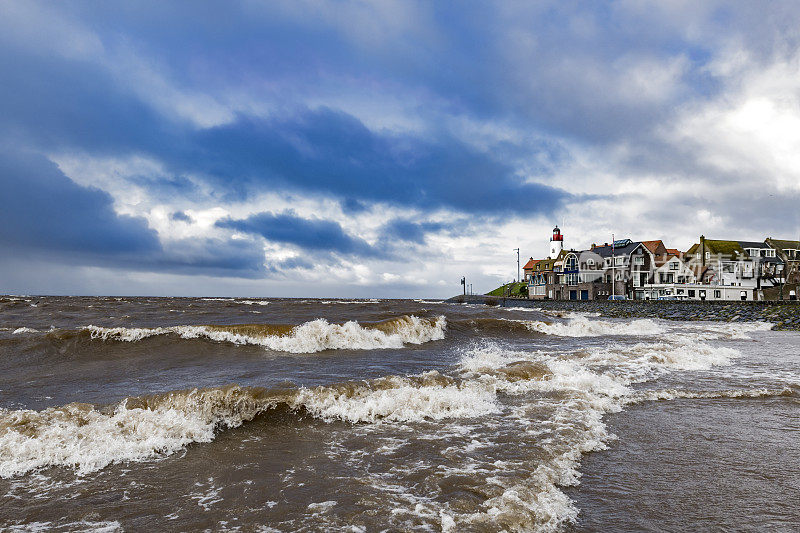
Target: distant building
789,253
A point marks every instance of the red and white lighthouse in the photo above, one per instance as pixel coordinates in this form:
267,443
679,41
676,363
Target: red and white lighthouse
556,243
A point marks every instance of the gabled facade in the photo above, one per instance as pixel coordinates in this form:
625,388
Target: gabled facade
724,263
768,266
544,276
789,253
529,268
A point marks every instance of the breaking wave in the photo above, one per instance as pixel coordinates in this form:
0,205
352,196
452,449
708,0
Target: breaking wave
581,326
309,337
88,438
571,392
675,394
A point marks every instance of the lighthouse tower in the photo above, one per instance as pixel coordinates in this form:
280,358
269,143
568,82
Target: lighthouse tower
556,243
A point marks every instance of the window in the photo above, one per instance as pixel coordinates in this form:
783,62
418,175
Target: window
619,260
638,260
691,293
674,265
717,294
708,255
679,291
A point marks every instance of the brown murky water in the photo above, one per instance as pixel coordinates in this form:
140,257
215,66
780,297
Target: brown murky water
370,415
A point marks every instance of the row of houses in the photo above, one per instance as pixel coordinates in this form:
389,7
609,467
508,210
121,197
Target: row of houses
644,270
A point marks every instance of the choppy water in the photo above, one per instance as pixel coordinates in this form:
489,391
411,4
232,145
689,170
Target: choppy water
369,415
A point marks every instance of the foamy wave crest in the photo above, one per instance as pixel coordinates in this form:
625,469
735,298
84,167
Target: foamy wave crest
732,330
400,399
310,337
675,394
573,392
575,427
581,326
20,331
87,439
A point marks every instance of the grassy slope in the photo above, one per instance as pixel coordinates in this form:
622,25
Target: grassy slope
517,289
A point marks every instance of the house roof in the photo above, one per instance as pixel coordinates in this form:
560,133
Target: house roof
755,244
543,265
606,251
655,247
530,264
719,247
674,251
783,244
662,260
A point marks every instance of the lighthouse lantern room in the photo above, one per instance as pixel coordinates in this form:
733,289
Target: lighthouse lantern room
556,243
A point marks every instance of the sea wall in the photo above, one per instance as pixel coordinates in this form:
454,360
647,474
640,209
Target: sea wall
784,315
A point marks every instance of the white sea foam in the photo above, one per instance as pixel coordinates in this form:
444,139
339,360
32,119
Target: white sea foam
328,302
587,385
675,394
22,330
251,302
716,330
310,337
582,326
396,399
87,439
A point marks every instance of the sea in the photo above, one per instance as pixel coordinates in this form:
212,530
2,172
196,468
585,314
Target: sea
247,414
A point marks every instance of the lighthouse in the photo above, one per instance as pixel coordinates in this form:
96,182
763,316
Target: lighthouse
556,243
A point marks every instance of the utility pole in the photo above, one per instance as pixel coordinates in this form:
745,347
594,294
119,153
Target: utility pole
613,276
517,250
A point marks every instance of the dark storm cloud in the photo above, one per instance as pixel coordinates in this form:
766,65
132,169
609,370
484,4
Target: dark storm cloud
304,90
312,234
42,208
333,153
45,214
407,230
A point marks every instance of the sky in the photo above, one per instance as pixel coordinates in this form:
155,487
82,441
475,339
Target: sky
381,149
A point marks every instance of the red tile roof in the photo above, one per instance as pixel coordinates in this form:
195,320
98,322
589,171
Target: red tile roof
652,245
530,264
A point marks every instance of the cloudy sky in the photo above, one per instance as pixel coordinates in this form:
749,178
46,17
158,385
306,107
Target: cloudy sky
381,149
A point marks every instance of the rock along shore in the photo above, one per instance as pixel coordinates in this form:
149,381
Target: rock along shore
783,315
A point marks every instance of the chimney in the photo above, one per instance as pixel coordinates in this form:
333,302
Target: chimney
703,248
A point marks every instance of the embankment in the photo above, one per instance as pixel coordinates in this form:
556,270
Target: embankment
784,315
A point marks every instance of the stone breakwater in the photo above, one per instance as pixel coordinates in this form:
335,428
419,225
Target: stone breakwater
784,315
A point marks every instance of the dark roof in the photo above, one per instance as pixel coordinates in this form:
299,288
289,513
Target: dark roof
606,251
755,244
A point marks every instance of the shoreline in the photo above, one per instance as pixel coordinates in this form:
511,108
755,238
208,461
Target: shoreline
783,315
